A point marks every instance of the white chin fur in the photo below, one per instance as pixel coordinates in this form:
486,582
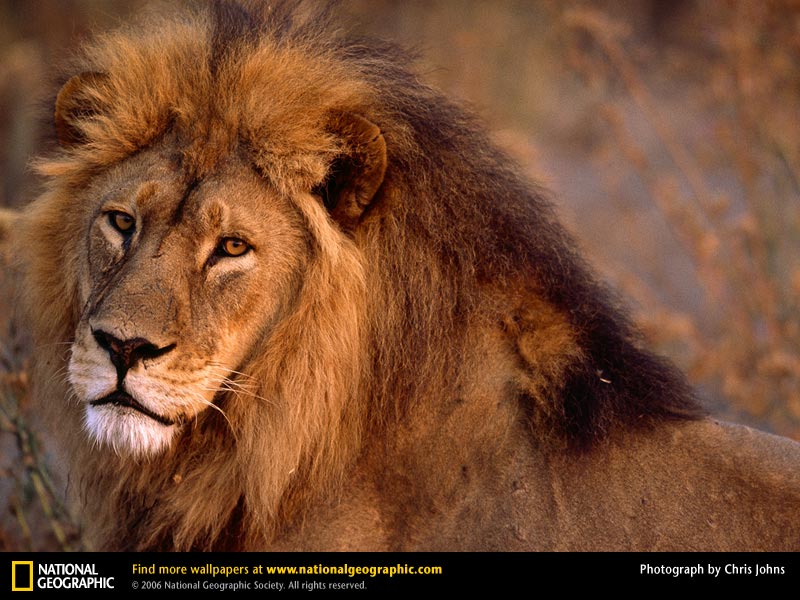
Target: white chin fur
128,432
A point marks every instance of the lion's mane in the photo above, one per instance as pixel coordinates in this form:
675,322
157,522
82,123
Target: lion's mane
455,241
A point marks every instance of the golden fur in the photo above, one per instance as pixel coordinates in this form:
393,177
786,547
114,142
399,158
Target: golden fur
410,323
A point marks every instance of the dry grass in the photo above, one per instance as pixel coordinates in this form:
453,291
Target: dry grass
724,175
668,132
35,519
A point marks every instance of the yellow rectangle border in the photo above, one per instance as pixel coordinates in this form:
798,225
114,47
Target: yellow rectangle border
14,564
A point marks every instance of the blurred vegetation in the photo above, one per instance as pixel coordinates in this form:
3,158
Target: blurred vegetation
667,131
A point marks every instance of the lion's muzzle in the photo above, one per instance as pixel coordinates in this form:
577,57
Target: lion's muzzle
130,394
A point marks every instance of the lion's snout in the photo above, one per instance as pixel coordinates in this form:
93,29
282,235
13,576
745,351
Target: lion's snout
124,354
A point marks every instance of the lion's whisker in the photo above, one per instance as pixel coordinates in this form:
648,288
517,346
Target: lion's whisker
226,373
246,392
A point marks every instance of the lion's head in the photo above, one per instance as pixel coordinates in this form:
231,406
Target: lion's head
184,276
269,259
200,230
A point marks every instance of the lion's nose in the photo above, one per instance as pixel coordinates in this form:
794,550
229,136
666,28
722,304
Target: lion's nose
125,353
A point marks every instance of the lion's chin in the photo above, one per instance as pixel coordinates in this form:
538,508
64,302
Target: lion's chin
127,431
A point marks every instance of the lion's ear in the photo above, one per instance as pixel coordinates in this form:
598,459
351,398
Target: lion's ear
77,100
354,176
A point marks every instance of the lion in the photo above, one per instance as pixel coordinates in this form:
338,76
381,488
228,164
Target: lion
285,296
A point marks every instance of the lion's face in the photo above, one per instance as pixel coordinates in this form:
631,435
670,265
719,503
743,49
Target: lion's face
180,281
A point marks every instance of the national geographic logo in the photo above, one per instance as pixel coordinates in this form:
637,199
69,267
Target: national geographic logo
57,576
21,575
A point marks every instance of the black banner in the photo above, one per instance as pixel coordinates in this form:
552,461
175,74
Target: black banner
368,574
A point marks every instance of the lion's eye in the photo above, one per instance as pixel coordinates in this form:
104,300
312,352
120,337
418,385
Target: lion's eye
122,222
233,247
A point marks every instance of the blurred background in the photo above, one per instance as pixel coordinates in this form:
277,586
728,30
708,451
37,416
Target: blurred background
667,132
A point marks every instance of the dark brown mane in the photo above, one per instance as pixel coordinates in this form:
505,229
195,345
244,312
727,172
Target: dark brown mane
475,221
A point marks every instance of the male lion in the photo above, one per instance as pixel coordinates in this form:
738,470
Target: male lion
285,296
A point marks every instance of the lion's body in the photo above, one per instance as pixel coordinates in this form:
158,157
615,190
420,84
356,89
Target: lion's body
701,486
401,346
